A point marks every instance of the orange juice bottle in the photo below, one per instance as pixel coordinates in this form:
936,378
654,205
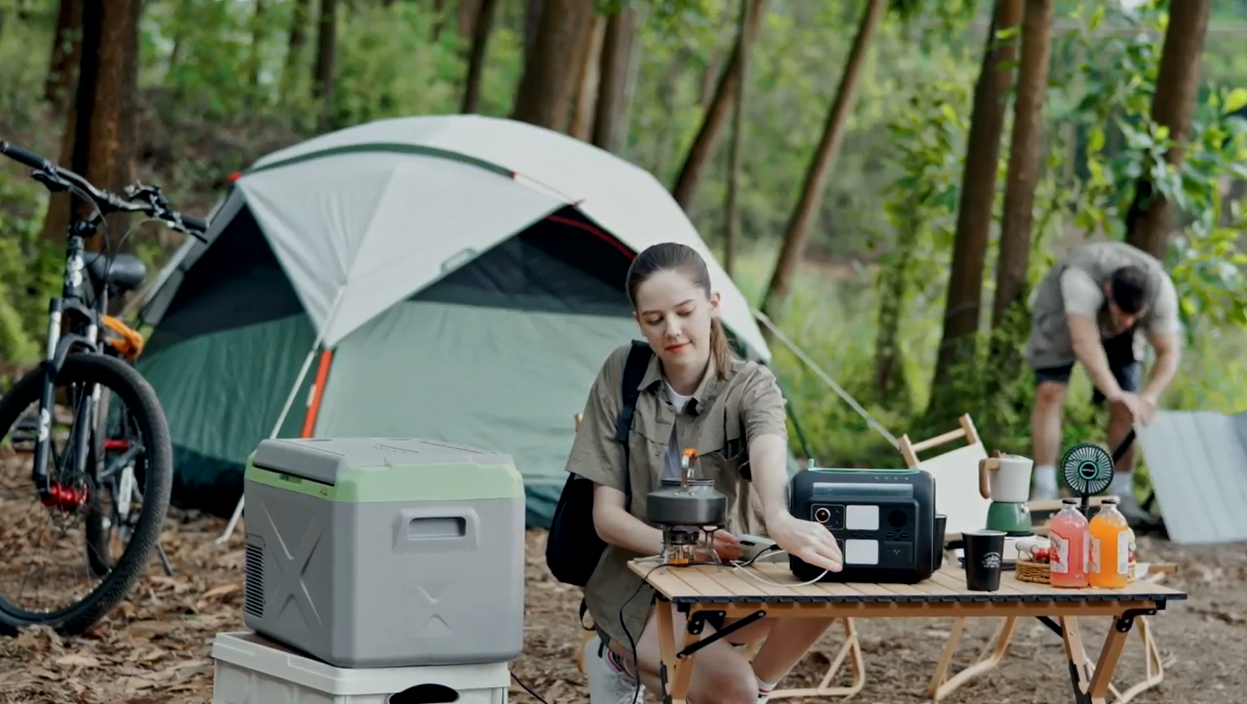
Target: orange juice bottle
1071,541
1110,547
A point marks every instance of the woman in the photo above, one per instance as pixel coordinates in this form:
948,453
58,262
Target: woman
694,394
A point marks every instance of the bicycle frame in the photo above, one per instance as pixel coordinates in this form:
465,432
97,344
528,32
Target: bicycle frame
59,346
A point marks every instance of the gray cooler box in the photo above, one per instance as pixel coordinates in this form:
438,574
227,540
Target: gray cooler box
385,552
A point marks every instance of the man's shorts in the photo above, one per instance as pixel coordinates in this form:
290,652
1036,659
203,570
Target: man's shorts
1127,370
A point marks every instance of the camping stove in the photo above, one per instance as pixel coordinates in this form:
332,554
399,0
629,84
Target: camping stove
688,510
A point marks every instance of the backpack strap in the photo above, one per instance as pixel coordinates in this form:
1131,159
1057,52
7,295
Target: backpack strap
634,371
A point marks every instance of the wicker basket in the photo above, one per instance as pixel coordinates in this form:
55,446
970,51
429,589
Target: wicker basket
1037,572
1041,572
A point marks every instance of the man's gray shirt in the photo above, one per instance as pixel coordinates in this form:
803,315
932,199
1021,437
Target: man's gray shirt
1076,285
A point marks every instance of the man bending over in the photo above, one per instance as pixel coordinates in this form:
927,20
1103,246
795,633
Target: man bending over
1096,307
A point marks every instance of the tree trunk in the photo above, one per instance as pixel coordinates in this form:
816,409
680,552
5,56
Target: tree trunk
1024,159
476,61
978,191
618,47
66,54
294,51
256,58
708,81
469,10
532,20
100,137
732,238
707,140
1151,214
545,88
806,210
326,55
589,81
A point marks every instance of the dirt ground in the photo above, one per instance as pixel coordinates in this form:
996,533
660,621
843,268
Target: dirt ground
156,648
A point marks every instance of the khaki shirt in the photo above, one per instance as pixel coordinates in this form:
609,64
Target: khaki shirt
1076,285
748,401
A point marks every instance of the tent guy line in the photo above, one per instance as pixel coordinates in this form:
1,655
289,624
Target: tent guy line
805,358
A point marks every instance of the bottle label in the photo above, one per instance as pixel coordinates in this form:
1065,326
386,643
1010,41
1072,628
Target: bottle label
1086,553
1059,555
1123,552
1095,555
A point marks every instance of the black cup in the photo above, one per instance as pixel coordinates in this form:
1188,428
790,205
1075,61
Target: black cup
984,551
940,522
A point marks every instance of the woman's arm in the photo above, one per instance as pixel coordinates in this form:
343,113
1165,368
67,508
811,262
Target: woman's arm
767,434
620,528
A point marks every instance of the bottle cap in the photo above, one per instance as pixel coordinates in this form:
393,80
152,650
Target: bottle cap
1109,501
1069,502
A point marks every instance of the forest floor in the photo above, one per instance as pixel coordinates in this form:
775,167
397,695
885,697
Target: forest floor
156,647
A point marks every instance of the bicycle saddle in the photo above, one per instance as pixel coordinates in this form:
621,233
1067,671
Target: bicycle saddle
126,272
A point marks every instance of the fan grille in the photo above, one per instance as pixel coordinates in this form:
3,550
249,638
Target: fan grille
1087,468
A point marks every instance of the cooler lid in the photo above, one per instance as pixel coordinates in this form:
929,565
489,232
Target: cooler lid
324,459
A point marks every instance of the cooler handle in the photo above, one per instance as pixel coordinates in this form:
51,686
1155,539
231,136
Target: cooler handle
434,528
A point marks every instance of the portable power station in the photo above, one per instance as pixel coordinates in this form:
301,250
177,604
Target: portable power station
882,519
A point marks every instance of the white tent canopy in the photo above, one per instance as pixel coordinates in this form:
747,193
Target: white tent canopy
369,215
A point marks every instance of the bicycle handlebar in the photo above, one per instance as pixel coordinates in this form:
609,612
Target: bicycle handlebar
140,199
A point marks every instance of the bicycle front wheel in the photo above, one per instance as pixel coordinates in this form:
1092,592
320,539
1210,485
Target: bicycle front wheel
44,573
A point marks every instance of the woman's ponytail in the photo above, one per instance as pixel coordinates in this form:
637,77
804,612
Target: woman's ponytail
718,347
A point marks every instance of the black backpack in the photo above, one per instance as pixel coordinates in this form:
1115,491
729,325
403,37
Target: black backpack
573,547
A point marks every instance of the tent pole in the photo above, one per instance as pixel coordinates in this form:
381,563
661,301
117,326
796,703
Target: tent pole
281,419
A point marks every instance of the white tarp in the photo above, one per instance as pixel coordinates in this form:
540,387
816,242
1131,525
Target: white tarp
373,220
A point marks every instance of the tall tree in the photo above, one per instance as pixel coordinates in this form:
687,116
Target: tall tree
618,47
476,60
66,54
962,311
732,238
1024,159
100,133
532,20
544,93
294,51
797,234
588,81
1151,214
707,140
326,62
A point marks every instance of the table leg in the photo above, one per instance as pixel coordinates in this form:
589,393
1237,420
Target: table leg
677,672
1091,685
941,685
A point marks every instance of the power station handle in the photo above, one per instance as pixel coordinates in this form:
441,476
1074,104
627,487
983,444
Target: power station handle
986,465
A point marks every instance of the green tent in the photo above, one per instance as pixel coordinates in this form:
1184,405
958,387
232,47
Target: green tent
456,278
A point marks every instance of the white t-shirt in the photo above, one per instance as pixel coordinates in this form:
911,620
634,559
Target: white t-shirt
671,466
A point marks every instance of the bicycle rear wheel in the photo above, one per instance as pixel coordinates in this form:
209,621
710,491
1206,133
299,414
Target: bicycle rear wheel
148,429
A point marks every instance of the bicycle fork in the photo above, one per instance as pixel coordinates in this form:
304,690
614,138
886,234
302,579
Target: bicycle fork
66,497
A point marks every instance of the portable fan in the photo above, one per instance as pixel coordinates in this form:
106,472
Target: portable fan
1087,469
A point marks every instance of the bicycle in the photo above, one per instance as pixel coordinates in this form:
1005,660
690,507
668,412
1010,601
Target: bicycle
124,464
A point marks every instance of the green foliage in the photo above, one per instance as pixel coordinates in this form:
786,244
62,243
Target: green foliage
28,271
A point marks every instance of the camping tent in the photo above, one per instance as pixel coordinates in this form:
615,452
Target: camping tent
457,278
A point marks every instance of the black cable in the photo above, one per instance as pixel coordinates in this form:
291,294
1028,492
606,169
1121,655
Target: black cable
528,689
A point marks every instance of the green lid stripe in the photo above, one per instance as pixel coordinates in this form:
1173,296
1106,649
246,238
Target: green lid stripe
438,482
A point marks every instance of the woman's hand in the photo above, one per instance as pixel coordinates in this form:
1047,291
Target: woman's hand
726,546
807,540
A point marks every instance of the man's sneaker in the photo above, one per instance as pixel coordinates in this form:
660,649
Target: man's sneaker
608,682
